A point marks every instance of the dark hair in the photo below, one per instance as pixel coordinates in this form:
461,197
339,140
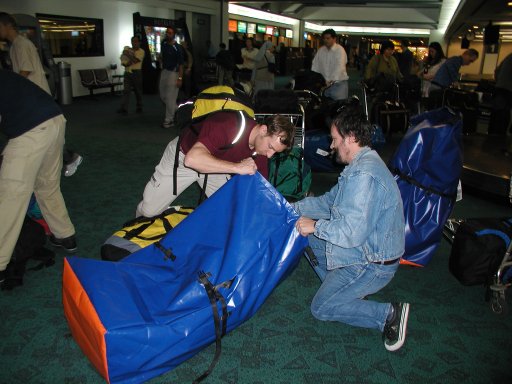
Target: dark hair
222,45
439,53
472,52
352,121
282,126
135,37
385,45
329,31
7,19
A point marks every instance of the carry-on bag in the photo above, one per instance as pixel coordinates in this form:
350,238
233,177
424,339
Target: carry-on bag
290,174
140,232
318,153
144,315
465,102
478,248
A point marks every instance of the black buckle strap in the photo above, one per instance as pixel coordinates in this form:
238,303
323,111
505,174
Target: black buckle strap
429,190
214,296
167,252
311,256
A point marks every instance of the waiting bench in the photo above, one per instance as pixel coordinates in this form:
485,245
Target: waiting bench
96,79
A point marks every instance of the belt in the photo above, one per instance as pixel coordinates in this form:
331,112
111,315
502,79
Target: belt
387,262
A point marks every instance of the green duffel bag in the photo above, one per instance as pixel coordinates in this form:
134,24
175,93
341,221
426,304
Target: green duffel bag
290,174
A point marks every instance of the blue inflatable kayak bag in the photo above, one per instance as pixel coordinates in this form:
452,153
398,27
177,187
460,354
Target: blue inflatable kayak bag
427,166
143,316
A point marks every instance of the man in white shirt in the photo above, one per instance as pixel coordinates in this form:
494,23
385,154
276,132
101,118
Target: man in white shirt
331,62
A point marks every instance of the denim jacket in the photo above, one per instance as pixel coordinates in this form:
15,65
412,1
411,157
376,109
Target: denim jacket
361,218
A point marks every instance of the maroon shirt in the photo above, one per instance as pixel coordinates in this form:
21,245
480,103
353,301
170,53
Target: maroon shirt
218,131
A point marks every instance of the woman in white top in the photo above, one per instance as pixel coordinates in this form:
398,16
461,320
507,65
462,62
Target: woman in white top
262,78
433,62
248,55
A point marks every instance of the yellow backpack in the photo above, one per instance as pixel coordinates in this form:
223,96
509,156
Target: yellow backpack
141,232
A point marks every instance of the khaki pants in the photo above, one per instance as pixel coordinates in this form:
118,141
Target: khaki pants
169,93
158,194
32,162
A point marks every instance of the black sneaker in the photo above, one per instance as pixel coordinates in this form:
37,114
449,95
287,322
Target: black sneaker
395,330
68,243
2,276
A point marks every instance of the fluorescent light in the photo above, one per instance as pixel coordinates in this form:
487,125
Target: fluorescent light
447,13
371,30
255,14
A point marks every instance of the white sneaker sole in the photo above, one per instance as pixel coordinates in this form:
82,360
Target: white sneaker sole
404,316
71,168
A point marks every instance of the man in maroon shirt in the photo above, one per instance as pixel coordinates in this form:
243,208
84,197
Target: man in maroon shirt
224,144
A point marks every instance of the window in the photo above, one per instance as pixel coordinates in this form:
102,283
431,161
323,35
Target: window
70,36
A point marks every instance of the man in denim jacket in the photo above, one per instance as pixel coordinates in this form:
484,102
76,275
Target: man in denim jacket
356,231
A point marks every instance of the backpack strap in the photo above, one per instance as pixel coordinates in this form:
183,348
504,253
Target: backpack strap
301,174
220,323
136,232
278,162
241,128
202,196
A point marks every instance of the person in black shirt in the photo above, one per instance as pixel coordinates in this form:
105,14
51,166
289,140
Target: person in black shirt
32,163
171,77
226,65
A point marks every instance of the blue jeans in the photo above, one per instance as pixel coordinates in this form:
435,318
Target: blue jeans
340,297
338,91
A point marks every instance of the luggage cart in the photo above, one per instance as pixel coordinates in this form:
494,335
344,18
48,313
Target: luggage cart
501,279
392,114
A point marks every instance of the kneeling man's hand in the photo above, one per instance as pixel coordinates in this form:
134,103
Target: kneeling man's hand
305,226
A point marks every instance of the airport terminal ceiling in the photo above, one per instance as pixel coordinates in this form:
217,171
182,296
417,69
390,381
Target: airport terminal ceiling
423,14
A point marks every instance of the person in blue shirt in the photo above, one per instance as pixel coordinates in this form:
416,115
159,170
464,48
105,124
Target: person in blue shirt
357,232
32,163
448,74
171,77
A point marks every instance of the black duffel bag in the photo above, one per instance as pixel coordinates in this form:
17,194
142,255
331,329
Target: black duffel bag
478,248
